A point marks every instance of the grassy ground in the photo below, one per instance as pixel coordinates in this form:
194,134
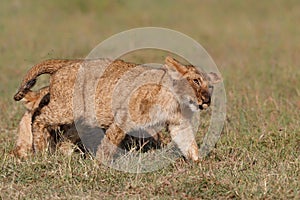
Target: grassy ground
254,44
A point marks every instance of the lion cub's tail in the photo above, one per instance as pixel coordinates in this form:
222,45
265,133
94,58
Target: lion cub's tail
45,67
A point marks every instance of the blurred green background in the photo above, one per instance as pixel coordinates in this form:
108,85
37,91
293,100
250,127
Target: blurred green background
255,44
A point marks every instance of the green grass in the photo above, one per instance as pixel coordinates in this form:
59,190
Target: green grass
254,44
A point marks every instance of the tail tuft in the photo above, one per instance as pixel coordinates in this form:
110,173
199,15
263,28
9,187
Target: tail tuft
23,91
45,67
30,84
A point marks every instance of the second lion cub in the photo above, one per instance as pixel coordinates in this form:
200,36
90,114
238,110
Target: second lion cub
34,101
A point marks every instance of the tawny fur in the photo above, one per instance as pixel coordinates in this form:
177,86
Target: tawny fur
111,94
34,101
46,67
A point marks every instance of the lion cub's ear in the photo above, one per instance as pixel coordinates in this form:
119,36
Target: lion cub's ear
29,99
214,78
175,69
173,64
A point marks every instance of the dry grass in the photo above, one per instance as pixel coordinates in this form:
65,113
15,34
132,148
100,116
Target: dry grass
255,45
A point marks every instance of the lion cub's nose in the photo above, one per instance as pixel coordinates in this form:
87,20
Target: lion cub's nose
206,98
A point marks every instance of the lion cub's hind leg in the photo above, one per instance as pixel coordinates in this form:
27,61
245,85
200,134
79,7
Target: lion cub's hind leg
68,140
49,117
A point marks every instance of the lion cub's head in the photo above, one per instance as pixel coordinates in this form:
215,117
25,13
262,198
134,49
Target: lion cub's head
34,99
200,83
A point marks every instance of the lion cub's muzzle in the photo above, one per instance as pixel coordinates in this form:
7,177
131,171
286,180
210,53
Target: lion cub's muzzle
206,100
205,104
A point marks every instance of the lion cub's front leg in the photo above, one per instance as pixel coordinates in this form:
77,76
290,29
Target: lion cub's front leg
24,141
32,101
110,143
182,134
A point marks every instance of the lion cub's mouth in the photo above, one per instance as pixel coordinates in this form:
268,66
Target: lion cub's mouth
203,106
194,106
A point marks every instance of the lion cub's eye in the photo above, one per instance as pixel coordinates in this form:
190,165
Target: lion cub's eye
196,81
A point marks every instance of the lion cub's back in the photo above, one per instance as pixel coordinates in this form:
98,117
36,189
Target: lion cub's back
105,88
143,96
74,79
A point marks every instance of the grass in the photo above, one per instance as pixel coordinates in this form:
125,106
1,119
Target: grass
255,46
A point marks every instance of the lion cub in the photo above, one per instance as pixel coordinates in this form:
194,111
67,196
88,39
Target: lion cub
33,102
121,97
